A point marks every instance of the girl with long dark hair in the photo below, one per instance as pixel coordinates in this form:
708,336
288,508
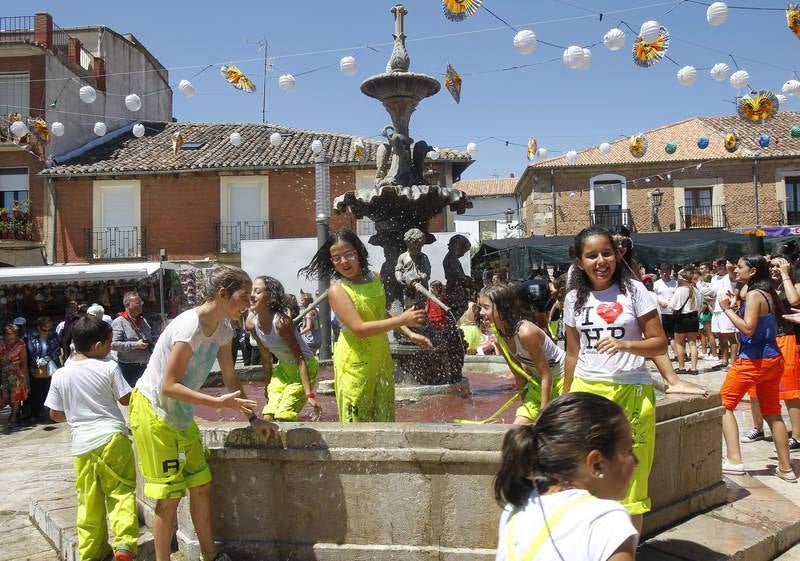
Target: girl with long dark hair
362,365
612,325
760,364
560,480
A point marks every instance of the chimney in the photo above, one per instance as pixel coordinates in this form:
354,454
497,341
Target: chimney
43,29
74,50
511,175
100,74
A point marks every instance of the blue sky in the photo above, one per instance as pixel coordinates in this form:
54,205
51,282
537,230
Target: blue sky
563,109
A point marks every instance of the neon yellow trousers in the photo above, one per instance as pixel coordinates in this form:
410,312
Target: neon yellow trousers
285,394
532,401
105,479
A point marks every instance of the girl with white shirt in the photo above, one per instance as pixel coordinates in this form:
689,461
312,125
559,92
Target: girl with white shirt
686,301
611,327
560,480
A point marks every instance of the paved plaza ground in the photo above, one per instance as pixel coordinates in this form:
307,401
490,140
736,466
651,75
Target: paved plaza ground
36,465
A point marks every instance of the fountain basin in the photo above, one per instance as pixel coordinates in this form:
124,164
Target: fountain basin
391,85
410,491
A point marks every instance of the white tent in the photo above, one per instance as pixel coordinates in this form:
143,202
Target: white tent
55,274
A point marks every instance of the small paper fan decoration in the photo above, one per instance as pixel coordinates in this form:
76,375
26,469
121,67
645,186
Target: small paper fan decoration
358,149
731,141
638,145
793,18
237,78
40,130
647,54
177,142
459,10
532,148
758,107
452,81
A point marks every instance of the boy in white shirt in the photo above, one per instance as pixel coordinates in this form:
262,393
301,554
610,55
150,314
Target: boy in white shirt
85,393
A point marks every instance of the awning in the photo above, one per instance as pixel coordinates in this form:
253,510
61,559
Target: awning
55,274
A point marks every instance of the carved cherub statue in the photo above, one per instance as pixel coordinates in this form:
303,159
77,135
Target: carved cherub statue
413,267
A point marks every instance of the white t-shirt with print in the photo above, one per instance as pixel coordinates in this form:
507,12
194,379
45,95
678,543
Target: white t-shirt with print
184,328
609,312
87,392
664,290
591,531
682,295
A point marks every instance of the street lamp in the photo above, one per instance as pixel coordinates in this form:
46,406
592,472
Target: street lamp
322,184
655,202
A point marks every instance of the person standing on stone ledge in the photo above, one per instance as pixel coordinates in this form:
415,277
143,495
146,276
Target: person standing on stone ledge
133,338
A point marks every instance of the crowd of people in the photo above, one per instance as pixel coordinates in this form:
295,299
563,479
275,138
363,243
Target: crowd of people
586,416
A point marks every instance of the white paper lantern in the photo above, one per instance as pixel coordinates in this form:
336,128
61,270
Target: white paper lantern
782,99
586,62
287,83
720,71
133,102
100,128
275,139
717,13
316,146
572,156
472,148
687,75
739,79
614,39
87,94
605,148
525,42
791,87
236,138
138,130
650,31
541,153
19,129
434,154
573,57
57,128
186,88
348,66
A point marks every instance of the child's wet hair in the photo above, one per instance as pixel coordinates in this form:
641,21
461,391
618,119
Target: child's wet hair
227,278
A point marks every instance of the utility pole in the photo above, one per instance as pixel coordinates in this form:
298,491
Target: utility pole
264,84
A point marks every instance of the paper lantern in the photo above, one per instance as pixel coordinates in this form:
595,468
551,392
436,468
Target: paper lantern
18,129
275,139
687,75
739,79
57,128
138,130
235,138
87,94
605,148
525,42
720,71
541,153
587,60
472,148
702,142
782,99
133,102
650,31
100,128
614,39
572,156
731,141
573,57
791,87
434,154
186,88
795,131
763,140
287,83
316,146
348,66
717,13
670,148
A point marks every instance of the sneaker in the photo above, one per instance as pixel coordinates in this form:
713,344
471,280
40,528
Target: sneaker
692,372
123,555
752,435
787,476
732,469
794,444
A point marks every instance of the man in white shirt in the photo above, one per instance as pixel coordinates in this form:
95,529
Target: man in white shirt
723,283
664,288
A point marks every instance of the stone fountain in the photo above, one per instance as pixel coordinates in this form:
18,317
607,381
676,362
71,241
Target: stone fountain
401,199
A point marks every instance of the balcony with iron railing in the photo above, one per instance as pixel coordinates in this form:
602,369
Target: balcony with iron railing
703,217
612,218
16,29
22,30
114,243
230,235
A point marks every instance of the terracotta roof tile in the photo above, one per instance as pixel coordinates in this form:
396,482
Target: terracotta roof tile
685,134
153,152
487,187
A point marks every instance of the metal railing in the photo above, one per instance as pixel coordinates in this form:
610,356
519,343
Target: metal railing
702,217
365,227
230,235
114,243
60,41
612,218
16,29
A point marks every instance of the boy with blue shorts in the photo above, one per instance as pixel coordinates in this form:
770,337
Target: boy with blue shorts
84,393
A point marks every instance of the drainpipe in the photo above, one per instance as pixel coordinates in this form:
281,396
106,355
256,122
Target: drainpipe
553,195
755,190
50,224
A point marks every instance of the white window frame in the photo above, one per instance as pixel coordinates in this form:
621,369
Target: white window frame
226,182
27,174
609,177
98,187
365,226
679,186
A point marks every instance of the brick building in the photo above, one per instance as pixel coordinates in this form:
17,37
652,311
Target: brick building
495,210
42,68
700,188
131,198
